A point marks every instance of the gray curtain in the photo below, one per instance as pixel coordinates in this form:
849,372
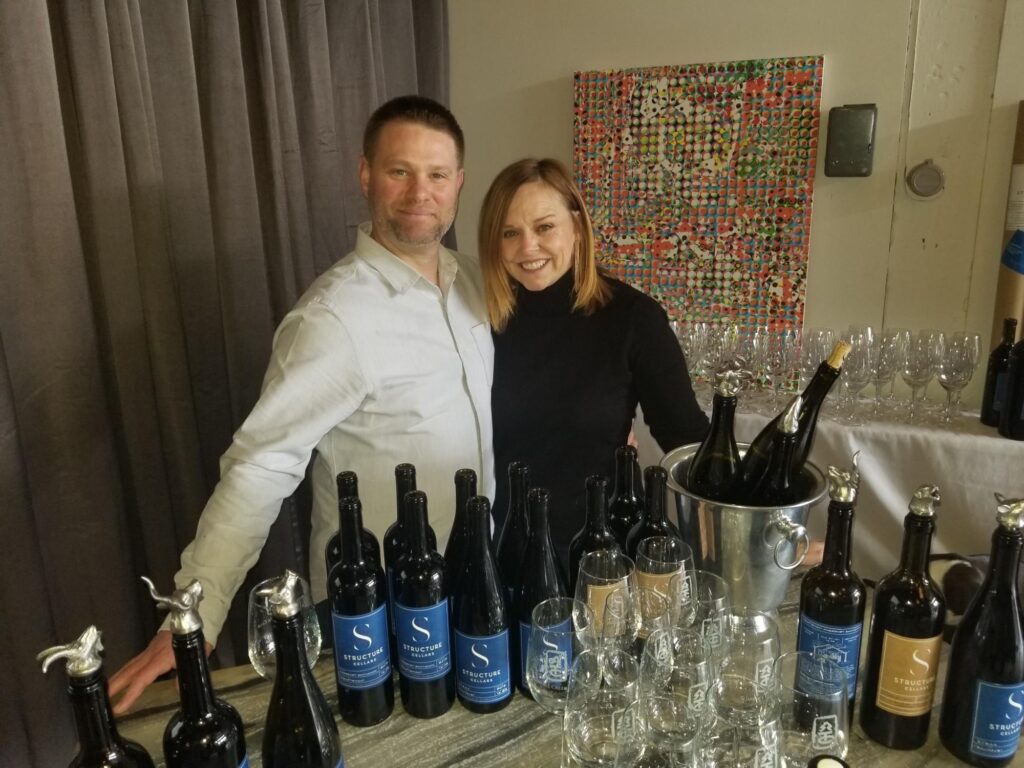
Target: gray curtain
173,174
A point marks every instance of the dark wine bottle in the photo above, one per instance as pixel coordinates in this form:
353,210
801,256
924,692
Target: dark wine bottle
714,470
626,506
596,532
654,521
206,731
425,674
905,638
300,730
348,485
99,743
812,398
981,713
542,579
454,552
995,375
480,616
515,530
1011,417
777,487
362,659
832,596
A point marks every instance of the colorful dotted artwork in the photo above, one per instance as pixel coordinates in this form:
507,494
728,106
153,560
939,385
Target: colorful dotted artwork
699,180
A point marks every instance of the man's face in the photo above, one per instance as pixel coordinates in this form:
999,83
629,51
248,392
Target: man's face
412,185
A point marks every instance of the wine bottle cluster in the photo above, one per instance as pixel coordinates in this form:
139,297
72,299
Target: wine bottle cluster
769,473
1002,404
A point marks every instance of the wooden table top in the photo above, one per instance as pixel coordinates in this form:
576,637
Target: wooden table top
521,735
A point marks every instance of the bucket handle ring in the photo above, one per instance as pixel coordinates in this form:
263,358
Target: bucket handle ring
791,532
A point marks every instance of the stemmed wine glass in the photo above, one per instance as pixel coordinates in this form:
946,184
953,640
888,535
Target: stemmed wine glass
917,366
857,367
960,356
936,340
886,361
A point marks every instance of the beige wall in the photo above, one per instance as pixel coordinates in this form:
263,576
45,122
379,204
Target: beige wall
931,66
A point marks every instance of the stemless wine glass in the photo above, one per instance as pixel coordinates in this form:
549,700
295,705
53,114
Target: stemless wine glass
602,572
602,686
561,629
658,559
956,368
741,724
813,708
675,666
752,645
261,632
710,595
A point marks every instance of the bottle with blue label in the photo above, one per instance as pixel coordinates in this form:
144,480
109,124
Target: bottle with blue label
426,676
542,579
362,656
984,695
347,483
454,551
832,595
206,731
515,530
300,731
480,616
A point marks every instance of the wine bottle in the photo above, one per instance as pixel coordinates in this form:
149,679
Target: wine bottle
981,713
542,579
425,674
481,620
99,743
812,398
905,638
515,530
654,521
995,375
206,731
465,489
300,730
348,485
1011,417
777,487
596,532
714,470
832,596
626,506
362,658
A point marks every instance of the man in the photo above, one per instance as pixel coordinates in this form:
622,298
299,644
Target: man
386,359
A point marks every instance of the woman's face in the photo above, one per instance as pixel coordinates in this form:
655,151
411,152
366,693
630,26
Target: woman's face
538,237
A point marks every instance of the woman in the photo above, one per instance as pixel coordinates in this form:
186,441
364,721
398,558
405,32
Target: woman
575,350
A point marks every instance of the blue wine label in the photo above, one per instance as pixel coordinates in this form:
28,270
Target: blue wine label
424,647
840,644
998,709
361,653
245,761
482,664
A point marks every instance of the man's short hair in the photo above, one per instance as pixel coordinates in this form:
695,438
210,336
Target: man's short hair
412,109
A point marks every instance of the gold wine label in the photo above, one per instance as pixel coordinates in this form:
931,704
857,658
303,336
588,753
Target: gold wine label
839,353
597,597
652,608
906,680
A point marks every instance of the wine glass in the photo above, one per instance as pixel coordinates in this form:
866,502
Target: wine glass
917,366
261,631
710,595
741,724
603,684
753,645
936,340
816,346
857,367
561,628
814,708
960,356
886,362
602,573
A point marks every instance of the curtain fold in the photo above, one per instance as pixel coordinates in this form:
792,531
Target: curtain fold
173,175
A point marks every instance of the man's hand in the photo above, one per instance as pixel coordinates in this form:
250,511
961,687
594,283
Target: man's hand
137,674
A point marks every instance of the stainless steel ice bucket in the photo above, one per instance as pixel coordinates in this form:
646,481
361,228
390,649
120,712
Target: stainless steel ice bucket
753,548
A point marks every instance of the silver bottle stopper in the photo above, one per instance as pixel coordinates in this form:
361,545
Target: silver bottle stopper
1010,512
83,654
282,596
791,416
926,499
843,484
183,605
728,380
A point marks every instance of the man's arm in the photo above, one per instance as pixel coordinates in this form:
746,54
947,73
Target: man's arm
314,382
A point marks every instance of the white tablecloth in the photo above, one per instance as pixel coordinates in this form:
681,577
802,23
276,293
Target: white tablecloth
968,465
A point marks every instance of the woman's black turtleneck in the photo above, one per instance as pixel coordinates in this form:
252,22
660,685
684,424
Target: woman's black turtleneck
566,387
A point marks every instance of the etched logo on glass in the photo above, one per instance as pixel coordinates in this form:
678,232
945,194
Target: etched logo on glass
823,732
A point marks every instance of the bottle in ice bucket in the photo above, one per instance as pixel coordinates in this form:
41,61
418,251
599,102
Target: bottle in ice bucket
300,729
206,730
905,638
714,470
812,398
832,596
99,743
984,702
777,486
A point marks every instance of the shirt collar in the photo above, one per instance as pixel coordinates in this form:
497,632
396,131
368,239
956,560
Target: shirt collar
399,275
